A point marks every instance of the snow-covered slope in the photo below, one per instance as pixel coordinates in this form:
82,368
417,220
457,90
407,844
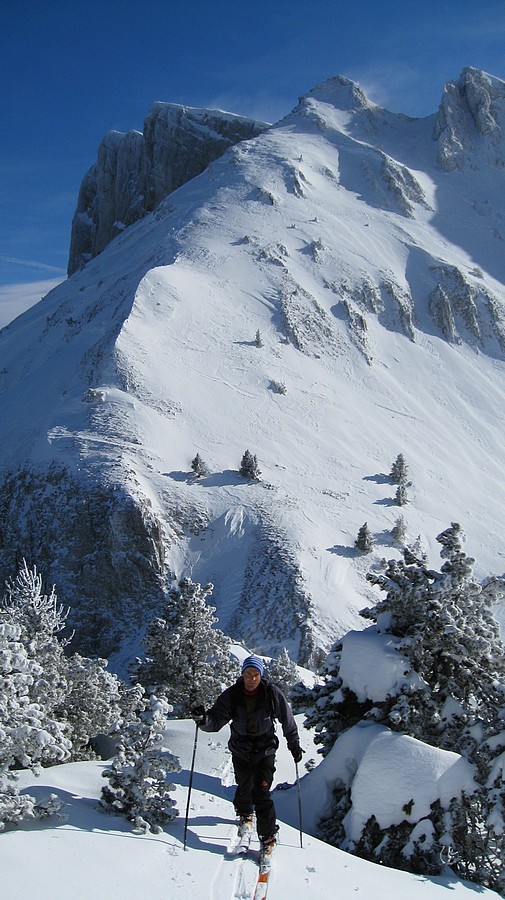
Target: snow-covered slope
91,853
366,248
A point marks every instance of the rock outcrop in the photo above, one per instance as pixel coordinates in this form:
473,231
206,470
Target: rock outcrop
135,171
472,110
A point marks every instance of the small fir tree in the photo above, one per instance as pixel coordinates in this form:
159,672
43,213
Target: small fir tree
42,620
188,661
35,674
364,541
249,466
199,467
401,495
399,471
258,341
139,786
28,736
283,672
399,531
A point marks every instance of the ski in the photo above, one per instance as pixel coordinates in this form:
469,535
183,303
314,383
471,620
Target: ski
261,889
243,840
265,867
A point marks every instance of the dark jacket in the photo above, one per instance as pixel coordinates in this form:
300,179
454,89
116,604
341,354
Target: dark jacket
253,737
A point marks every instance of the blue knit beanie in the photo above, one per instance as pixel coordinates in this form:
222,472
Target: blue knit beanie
253,662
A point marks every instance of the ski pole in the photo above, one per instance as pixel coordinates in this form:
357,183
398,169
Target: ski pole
299,804
190,785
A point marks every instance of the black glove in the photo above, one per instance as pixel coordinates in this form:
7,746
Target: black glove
198,714
296,752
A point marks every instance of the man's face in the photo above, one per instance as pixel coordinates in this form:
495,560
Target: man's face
251,678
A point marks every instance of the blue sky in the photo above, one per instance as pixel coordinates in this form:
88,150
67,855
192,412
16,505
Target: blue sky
73,69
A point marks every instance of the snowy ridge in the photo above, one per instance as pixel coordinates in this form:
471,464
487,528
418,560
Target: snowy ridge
376,281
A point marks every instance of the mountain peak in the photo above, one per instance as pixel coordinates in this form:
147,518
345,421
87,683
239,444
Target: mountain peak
340,92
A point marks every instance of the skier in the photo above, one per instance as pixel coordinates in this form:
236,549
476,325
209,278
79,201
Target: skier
251,705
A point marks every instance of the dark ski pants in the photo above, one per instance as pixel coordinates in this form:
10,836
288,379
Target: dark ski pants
254,780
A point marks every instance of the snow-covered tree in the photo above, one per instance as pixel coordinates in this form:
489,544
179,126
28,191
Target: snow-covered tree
199,467
139,785
401,497
448,691
364,540
331,706
187,660
278,387
258,340
451,639
74,696
33,674
92,704
399,470
28,737
41,620
399,531
283,672
249,466
16,808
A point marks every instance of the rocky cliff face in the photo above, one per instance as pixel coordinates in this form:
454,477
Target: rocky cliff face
135,171
470,117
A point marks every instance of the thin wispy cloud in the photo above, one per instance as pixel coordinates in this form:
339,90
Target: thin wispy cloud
32,264
17,298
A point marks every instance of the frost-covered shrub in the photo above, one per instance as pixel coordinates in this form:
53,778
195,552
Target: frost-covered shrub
139,785
16,808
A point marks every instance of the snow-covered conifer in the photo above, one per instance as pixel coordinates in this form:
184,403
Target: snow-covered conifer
283,672
41,619
399,471
451,695
258,340
139,785
75,698
16,808
249,466
399,531
401,497
199,467
92,704
364,540
28,737
187,660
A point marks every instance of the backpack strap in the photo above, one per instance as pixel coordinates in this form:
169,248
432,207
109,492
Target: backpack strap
271,700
